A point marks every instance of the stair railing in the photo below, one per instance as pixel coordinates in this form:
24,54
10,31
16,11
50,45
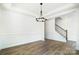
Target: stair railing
62,31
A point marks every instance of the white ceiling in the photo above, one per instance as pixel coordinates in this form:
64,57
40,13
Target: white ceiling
31,7
48,8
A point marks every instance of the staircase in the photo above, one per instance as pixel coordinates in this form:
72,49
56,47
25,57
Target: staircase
64,33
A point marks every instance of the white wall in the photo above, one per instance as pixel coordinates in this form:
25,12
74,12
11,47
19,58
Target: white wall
51,33
70,22
73,25
16,28
63,22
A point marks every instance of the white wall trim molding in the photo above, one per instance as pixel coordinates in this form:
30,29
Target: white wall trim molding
14,40
62,13
55,36
19,10
66,7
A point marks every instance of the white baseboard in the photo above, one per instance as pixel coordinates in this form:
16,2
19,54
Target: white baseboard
13,40
56,37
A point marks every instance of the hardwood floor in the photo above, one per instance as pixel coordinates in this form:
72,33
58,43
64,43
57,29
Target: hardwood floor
48,47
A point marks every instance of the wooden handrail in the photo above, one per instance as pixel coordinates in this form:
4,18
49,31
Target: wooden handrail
60,27
65,31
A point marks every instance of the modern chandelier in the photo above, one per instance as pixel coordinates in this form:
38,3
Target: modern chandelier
41,18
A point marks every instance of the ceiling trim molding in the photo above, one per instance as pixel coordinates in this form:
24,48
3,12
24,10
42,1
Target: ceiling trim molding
64,8
18,10
62,13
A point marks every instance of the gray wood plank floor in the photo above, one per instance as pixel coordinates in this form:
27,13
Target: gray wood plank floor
48,47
